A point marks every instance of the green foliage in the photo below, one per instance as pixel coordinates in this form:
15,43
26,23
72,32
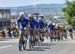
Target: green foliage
69,11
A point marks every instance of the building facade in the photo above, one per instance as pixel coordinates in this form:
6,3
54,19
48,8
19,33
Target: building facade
4,18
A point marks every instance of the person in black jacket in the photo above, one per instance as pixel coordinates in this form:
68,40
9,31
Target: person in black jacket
71,33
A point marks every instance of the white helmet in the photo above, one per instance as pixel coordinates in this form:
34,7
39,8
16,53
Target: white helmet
53,23
21,13
29,15
49,22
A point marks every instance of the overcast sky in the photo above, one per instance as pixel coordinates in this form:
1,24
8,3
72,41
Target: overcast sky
15,3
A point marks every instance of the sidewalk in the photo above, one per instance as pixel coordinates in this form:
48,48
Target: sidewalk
9,40
64,41
15,40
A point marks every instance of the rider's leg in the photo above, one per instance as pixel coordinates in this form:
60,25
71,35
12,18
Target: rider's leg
20,40
51,37
24,44
65,35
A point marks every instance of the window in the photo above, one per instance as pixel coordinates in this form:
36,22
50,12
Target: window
0,24
0,14
4,14
8,15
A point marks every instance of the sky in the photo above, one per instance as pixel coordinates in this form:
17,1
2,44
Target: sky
16,3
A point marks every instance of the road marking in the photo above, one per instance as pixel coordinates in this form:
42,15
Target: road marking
6,46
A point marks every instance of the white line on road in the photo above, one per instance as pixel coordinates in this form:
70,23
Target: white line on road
6,46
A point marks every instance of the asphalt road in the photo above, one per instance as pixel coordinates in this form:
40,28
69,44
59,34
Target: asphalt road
62,47
11,47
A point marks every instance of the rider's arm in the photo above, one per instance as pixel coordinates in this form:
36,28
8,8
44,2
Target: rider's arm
17,23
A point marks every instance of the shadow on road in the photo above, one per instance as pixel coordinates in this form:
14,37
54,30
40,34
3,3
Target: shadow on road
48,44
43,47
35,49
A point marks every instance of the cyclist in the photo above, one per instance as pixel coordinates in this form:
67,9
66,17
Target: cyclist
65,31
51,28
21,23
71,32
41,28
32,29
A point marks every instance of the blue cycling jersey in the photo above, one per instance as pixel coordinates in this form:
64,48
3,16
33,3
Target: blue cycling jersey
41,24
22,23
32,24
51,27
37,23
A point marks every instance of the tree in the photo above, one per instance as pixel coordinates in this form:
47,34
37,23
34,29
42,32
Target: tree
69,11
